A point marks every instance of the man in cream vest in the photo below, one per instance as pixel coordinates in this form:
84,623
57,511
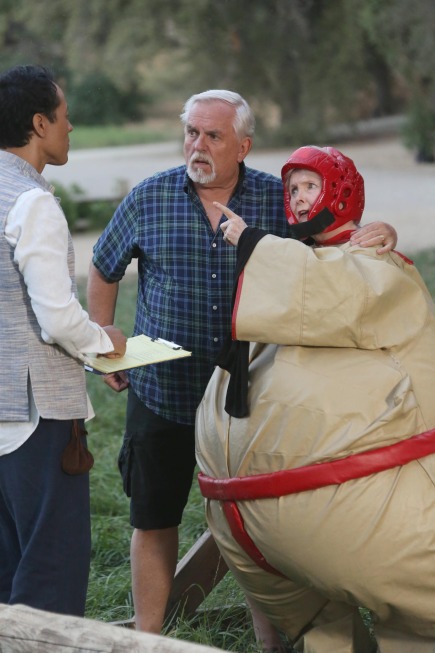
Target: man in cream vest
44,512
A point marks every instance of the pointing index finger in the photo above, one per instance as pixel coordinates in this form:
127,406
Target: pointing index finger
225,210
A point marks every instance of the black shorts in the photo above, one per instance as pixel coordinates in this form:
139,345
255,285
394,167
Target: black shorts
157,462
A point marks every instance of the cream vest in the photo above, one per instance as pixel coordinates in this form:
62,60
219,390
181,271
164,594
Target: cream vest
57,379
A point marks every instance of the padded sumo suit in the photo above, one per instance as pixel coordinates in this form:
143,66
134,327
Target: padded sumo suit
341,373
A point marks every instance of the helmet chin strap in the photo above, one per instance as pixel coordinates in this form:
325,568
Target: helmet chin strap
312,227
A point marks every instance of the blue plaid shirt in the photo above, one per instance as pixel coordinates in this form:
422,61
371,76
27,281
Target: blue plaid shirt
186,275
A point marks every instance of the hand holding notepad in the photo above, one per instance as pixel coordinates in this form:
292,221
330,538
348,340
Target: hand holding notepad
141,350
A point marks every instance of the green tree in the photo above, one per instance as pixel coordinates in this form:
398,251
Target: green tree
403,32
82,40
303,64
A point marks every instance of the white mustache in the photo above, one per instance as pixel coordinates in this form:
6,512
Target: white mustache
200,157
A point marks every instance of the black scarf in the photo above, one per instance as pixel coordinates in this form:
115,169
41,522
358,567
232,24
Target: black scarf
234,355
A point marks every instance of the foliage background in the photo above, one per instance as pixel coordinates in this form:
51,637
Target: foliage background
304,65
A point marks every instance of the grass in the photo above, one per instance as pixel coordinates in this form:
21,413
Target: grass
109,596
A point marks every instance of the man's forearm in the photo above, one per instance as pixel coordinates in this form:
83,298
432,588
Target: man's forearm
102,296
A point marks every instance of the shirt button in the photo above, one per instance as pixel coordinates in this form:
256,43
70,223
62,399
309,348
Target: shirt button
215,308
215,339
213,276
214,245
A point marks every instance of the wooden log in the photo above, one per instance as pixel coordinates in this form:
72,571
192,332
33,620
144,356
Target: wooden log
26,630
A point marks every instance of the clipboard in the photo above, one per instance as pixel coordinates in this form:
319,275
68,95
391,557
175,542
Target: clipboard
141,350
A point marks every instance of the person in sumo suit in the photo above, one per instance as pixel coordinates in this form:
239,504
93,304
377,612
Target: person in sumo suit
316,434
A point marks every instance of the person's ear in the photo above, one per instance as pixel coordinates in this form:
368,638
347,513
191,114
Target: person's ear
39,124
245,148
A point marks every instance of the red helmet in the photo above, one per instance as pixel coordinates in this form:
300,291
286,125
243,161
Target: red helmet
342,189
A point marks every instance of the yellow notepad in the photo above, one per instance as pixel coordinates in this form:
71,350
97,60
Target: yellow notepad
141,350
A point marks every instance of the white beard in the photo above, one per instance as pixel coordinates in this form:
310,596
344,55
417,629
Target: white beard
198,176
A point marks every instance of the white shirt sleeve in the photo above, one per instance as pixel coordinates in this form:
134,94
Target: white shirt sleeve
38,231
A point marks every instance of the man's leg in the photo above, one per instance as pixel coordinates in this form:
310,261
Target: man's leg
157,461
9,543
153,563
266,634
52,520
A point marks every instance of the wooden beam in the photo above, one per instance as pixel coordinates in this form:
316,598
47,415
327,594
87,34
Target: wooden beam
26,630
197,574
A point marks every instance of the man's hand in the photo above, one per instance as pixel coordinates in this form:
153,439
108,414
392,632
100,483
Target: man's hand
117,381
233,227
375,234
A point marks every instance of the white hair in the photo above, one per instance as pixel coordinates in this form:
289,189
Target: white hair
244,122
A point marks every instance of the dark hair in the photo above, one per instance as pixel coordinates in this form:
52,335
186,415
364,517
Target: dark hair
24,91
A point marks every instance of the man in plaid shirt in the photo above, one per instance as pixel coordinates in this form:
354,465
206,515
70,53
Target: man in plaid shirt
185,274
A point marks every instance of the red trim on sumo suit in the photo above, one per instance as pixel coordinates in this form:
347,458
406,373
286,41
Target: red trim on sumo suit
301,479
236,305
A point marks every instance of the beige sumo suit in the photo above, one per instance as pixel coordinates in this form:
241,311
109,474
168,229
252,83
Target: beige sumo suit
351,370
